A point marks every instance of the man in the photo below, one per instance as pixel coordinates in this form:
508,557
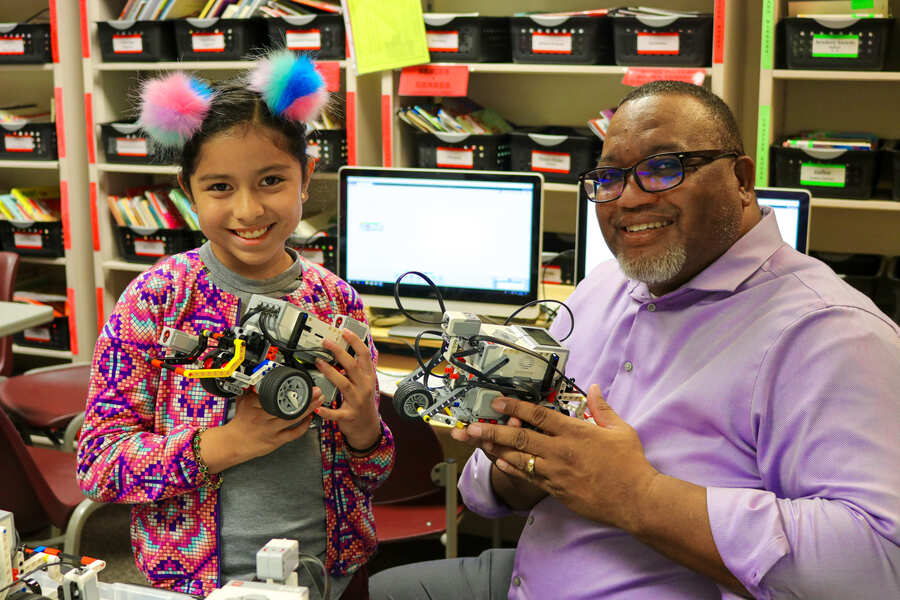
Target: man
749,445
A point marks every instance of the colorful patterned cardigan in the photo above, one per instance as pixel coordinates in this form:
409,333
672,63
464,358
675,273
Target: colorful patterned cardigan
135,446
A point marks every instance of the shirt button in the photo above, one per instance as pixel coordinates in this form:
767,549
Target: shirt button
628,366
651,307
517,581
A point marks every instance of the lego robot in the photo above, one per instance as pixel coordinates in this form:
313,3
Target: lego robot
484,361
273,349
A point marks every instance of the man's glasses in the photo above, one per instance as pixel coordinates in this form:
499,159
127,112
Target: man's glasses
656,173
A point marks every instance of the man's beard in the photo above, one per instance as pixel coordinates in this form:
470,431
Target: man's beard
658,268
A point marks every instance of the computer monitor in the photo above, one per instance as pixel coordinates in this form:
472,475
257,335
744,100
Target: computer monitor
476,234
791,208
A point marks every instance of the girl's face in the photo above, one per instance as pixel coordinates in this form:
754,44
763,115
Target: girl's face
248,194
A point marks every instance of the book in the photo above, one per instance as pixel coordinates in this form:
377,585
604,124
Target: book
180,9
12,207
131,220
328,7
206,8
147,214
169,216
126,9
184,207
112,202
38,203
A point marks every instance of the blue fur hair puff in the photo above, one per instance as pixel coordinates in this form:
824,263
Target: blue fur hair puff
290,85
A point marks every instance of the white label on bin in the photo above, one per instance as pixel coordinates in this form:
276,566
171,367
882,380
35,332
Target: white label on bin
28,240
131,146
455,157
312,150
552,274
657,43
146,247
12,45
551,162
315,255
307,39
38,334
442,41
823,175
835,46
551,43
208,42
19,143
128,44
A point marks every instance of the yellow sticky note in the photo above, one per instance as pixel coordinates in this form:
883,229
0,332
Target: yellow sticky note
387,35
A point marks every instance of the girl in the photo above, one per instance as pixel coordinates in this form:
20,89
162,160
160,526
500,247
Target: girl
212,480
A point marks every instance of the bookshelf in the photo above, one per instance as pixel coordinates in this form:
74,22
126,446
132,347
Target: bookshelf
57,83
791,100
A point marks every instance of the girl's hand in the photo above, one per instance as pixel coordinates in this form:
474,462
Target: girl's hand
357,416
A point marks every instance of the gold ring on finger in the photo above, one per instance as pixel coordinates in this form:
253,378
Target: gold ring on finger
529,466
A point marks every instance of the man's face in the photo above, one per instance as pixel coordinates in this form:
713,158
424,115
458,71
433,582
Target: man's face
665,238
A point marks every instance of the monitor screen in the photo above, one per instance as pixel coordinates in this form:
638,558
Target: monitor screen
791,208
477,235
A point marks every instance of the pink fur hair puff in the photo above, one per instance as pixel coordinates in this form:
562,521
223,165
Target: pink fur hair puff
173,108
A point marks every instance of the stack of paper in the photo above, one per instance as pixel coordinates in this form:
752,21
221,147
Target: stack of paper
832,140
454,115
154,10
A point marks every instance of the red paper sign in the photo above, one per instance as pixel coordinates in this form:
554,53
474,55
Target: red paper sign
433,80
330,70
636,76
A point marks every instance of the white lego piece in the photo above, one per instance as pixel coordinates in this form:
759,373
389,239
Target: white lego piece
254,589
278,560
7,549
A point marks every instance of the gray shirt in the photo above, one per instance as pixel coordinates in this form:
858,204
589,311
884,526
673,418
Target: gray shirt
281,494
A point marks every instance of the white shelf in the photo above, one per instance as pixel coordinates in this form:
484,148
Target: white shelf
123,168
194,65
559,69
32,67
29,164
37,260
33,351
822,75
867,205
124,265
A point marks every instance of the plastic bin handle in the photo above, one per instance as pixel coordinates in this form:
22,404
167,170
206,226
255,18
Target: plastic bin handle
14,126
545,139
126,128
656,20
7,27
451,137
22,224
438,19
823,153
202,23
835,22
143,230
299,19
123,24
548,20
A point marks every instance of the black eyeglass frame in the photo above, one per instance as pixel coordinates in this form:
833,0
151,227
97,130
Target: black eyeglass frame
709,156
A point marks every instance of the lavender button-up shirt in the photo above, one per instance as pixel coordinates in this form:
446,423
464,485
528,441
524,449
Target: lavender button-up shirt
765,379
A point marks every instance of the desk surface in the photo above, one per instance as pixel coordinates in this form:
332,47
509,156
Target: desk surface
18,316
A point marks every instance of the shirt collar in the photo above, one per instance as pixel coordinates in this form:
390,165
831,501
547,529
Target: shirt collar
735,266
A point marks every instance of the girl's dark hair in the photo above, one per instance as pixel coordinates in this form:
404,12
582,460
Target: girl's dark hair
234,105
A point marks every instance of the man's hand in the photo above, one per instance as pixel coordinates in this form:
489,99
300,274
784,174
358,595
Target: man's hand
597,470
357,416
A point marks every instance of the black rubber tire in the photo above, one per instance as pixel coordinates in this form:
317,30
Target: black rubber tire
285,392
409,397
211,384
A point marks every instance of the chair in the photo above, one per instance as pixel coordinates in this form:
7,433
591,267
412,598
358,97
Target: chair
9,268
411,503
39,488
46,400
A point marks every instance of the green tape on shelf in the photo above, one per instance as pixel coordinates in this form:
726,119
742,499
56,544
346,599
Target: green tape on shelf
767,37
763,131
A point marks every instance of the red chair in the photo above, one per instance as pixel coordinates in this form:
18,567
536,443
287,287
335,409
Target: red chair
39,488
46,401
411,503
9,268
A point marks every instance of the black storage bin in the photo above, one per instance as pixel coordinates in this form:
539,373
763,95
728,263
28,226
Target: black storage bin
126,143
320,35
149,247
462,151
198,238
28,141
218,39
330,147
560,153
462,38
826,173
40,238
136,41
25,43
862,271
663,41
53,336
835,42
892,166
559,39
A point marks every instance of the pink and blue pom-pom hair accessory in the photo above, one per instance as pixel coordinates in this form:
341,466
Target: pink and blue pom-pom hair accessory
290,85
173,108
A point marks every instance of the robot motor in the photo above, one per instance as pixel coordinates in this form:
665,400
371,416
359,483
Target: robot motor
485,361
273,349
